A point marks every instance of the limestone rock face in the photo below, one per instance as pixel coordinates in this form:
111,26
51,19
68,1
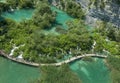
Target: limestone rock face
105,10
99,10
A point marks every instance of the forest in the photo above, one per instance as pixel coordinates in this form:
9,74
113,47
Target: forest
76,40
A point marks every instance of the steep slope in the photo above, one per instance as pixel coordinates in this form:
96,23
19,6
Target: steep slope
106,10
98,10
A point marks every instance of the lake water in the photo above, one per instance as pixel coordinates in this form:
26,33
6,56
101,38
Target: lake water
24,14
91,72
19,15
88,72
11,72
61,19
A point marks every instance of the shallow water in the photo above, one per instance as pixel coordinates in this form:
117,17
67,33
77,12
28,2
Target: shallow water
11,72
19,15
22,14
88,72
62,17
91,72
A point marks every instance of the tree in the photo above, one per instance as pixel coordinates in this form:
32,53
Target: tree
113,62
73,8
43,16
21,3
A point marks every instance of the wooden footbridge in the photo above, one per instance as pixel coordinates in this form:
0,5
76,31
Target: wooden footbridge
50,64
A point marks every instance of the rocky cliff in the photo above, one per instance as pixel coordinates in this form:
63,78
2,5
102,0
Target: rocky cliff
99,10
105,10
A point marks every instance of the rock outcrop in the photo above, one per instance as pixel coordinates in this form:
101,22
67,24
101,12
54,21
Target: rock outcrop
105,10
99,10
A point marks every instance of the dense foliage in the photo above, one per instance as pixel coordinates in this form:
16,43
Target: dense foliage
21,3
39,47
105,40
72,8
114,64
3,6
109,40
60,74
46,48
43,16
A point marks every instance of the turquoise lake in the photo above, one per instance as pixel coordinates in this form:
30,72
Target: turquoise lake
11,72
89,72
19,15
61,17
24,14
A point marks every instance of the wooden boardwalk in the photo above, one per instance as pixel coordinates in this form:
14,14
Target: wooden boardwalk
51,64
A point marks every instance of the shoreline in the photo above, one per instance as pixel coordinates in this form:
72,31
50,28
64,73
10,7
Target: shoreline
21,61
